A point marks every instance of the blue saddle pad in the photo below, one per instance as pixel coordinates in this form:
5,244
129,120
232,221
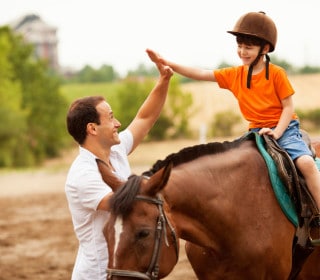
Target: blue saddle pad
279,188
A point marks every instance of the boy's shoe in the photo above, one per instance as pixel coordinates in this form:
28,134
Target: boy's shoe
314,233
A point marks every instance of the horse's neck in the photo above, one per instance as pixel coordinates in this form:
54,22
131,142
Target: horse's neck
188,192
210,190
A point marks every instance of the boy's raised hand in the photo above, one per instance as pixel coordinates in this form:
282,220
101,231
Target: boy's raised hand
160,62
155,57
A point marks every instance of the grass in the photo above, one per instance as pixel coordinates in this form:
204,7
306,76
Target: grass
74,91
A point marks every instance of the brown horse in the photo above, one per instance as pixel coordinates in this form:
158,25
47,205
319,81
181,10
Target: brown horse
218,197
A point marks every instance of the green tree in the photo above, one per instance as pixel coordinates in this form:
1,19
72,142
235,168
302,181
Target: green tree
13,118
307,69
130,97
88,74
224,122
179,109
173,121
33,103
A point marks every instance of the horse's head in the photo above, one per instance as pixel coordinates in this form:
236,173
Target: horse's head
141,240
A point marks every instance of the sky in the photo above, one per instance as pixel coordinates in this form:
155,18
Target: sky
191,32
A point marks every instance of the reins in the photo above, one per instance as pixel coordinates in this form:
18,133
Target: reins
153,270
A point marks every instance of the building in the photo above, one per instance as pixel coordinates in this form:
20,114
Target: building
41,35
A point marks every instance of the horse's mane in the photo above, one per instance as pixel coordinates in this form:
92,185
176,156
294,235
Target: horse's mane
122,200
190,153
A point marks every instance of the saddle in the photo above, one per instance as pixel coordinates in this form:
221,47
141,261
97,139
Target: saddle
304,203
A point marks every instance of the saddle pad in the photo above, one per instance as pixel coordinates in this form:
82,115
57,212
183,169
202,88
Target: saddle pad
279,188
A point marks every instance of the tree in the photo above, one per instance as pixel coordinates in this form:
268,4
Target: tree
30,102
88,74
173,121
224,122
13,118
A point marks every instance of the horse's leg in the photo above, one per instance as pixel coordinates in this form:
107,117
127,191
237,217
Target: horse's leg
200,261
311,268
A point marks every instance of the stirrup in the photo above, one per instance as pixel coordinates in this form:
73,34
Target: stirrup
314,230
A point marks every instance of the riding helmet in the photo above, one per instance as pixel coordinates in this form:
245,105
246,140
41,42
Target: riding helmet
259,25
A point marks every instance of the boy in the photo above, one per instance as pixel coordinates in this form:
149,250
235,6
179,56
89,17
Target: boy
263,91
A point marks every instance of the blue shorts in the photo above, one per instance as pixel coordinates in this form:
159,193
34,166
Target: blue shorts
292,141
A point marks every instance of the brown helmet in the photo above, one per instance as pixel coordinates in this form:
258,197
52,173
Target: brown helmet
258,25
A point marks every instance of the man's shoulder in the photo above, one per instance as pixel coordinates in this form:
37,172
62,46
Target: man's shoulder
82,166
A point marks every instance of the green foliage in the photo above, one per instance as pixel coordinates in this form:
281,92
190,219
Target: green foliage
179,109
76,90
310,119
160,130
283,63
173,121
224,122
32,108
309,69
223,64
130,97
88,74
143,71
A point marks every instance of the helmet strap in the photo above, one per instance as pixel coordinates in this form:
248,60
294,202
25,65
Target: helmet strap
267,66
254,63
251,69
249,75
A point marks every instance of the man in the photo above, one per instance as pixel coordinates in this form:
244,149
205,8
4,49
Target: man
90,121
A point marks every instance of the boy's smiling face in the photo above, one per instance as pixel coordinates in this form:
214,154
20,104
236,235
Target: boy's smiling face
247,53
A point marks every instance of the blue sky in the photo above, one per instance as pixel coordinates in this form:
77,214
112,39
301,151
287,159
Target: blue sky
192,32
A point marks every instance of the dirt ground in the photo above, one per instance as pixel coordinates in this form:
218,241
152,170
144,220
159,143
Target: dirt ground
36,235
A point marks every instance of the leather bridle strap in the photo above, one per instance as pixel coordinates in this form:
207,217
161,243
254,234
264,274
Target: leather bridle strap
153,270
126,273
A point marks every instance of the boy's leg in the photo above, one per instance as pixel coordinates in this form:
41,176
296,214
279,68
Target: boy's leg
310,172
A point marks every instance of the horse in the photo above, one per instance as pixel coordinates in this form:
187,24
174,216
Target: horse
218,197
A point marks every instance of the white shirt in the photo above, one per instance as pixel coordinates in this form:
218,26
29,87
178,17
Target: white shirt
84,190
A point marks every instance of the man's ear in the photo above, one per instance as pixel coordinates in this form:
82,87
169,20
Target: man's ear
91,128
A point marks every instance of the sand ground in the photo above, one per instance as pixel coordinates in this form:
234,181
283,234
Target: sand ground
36,235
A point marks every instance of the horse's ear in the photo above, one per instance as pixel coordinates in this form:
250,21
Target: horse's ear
108,177
159,180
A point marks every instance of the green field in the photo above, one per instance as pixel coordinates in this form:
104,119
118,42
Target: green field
74,91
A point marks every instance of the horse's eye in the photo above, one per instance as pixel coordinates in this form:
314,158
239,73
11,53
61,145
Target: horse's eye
142,234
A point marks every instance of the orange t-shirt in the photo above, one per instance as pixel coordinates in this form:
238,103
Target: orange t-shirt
261,104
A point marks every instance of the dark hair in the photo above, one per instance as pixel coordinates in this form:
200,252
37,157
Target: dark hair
250,40
81,112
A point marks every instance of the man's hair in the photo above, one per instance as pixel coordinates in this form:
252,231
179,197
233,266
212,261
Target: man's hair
250,40
81,112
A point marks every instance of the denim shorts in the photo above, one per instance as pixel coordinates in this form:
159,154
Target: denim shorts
291,141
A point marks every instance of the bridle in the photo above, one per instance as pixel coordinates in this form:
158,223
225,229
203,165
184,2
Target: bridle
153,271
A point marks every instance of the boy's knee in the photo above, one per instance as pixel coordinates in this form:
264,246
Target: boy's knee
304,162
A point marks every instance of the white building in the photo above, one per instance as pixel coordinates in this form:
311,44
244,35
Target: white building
41,35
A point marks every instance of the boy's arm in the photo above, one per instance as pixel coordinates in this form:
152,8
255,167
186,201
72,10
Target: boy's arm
189,72
285,118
